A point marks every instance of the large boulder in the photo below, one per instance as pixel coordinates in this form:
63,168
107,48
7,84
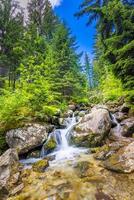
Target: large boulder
26,138
9,171
93,128
122,160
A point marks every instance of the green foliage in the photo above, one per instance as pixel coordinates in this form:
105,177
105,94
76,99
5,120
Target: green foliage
13,109
111,88
46,72
114,45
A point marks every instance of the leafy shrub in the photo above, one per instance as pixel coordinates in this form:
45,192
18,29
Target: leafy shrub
111,88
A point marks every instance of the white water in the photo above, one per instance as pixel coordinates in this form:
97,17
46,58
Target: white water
116,129
64,151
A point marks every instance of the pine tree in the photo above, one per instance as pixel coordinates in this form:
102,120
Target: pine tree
49,21
88,68
62,64
11,32
41,18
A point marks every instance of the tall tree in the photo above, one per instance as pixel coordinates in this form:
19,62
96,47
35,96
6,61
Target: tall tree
41,17
88,70
114,38
11,31
49,20
62,63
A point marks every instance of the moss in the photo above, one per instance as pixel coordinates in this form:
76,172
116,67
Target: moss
51,144
40,166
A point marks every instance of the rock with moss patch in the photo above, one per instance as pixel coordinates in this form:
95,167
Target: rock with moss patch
50,144
40,166
9,171
122,160
26,138
93,128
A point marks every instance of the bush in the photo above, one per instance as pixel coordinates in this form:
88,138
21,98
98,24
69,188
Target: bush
111,88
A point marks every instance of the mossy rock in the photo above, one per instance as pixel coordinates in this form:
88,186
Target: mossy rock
40,166
90,141
50,145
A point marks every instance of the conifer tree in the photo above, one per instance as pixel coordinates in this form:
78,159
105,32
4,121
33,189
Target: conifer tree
11,32
88,70
41,17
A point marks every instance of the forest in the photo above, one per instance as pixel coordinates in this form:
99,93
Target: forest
40,68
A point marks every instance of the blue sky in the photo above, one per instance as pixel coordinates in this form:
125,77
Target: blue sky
84,34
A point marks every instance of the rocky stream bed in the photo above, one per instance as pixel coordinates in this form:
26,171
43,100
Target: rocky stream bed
90,156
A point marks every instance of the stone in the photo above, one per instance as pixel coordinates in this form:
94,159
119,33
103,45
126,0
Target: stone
40,166
128,127
9,170
72,107
93,128
69,113
26,138
123,160
123,129
17,189
120,116
81,113
125,108
33,154
50,144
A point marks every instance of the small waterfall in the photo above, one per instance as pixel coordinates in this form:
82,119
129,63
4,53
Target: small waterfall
117,128
63,150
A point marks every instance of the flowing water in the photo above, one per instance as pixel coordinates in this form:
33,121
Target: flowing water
63,152
74,174
117,128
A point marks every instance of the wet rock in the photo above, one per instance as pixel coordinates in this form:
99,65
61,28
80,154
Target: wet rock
72,107
125,108
82,168
17,189
82,113
67,114
62,122
40,166
50,144
128,127
34,154
50,158
93,128
26,138
123,160
9,171
123,129
120,116
106,151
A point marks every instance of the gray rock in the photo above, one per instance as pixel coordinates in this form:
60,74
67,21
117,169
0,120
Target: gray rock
123,160
128,127
26,138
125,108
72,107
120,116
82,113
17,189
9,170
93,128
